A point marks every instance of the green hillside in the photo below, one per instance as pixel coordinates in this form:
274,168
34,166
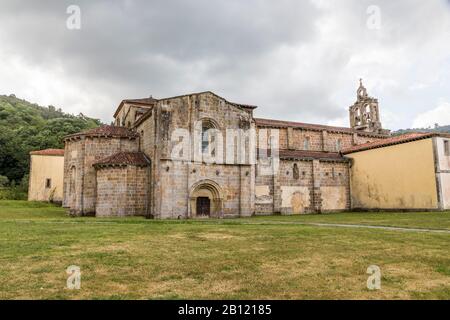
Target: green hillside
437,128
25,127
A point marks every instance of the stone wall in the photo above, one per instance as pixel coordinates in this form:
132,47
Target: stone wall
335,186
318,140
172,180
264,193
122,191
296,191
80,155
303,186
178,180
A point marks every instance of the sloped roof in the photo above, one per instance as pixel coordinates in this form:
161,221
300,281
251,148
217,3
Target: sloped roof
150,102
409,137
286,154
106,131
124,159
144,103
48,152
309,126
303,154
245,106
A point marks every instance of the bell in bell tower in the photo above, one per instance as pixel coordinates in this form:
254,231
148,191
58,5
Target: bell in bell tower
364,113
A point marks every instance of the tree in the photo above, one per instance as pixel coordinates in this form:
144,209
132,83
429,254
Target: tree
4,181
26,127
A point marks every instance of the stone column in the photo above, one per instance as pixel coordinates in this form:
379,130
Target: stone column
290,138
355,139
246,194
79,206
324,140
276,192
317,194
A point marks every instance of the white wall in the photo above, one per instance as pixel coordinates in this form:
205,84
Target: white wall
444,169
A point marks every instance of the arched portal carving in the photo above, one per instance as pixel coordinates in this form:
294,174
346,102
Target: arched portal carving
203,194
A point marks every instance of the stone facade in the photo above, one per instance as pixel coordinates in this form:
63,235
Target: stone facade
122,191
199,155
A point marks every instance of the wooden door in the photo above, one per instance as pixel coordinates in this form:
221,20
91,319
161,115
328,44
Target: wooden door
203,206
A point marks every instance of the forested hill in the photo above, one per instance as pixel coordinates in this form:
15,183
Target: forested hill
437,128
25,127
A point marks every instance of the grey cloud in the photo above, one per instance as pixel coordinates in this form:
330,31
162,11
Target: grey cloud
247,51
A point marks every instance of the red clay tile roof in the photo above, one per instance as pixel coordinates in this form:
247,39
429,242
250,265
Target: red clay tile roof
125,158
285,154
106,131
409,137
48,152
302,154
309,126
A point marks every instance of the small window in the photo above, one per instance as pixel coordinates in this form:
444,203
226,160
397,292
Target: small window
296,172
306,143
141,140
447,147
48,183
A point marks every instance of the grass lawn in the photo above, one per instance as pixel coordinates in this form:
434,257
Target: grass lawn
256,258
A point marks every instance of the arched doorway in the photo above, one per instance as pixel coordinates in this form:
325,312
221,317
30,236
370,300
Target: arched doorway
205,200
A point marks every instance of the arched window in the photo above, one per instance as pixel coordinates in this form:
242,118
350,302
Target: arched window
208,136
296,172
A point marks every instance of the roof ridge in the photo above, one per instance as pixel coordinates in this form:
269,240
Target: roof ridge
106,130
120,158
404,138
286,123
48,152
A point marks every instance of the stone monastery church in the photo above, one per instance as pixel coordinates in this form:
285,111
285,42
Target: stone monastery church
199,155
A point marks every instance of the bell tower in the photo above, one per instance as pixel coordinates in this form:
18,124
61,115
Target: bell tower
364,113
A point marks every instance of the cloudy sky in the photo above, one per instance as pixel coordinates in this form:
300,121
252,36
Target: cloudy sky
296,60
